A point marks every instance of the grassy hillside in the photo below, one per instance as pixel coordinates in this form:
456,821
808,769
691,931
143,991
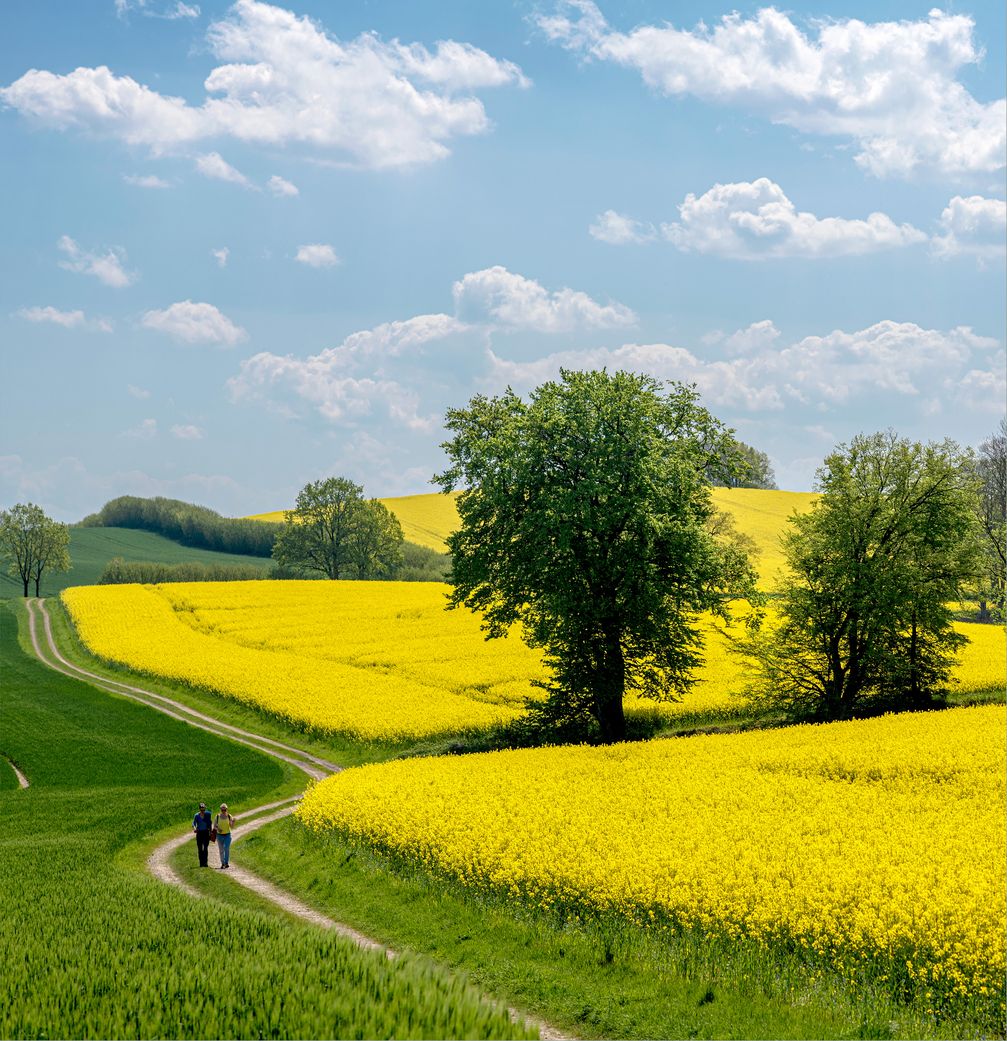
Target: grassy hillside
92,548
429,519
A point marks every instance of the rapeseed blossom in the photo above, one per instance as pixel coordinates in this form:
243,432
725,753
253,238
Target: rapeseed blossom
372,660
876,846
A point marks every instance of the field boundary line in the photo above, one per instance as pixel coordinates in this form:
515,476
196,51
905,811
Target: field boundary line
159,861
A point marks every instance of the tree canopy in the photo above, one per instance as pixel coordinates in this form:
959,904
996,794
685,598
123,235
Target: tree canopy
863,617
585,517
332,530
990,588
33,543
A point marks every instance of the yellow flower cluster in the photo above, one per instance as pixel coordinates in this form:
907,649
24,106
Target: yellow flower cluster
877,846
372,660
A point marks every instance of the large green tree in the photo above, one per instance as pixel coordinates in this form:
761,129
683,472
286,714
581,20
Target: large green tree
33,543
586,517
333,530
990,587
864,615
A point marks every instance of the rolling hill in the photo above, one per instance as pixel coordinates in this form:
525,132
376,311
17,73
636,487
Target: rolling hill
92,548
429,519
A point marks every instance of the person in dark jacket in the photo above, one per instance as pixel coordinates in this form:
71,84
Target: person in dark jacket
201,825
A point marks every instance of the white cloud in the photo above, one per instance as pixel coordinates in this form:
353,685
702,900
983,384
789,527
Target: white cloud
819,372
350,382
221,255
751,221
619,230
146,181
496,296
143,431
214,166
973,225
106,267
66,319
186,432
282,188
191,322
170,12
139,393
319,254
285,81
892,87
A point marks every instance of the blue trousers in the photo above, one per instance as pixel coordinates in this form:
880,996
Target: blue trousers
224,848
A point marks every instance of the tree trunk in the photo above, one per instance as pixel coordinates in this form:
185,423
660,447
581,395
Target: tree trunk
26,588
914,670
611,689
38,579
984,611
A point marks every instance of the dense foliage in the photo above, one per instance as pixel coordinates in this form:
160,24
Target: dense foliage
863,617
744,467
990,588
585,518
335,532
92,946
873,847
33,544
187,523
148,572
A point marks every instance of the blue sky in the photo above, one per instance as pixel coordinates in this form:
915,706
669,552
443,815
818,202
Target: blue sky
247,245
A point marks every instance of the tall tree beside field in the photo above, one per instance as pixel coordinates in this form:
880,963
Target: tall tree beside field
990,589
864,615
334,531
33,543
746,467
585,517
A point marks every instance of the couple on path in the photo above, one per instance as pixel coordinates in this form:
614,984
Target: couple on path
217,829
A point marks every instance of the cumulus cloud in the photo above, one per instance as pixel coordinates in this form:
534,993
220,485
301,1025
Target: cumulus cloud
817,372
189,322
318,254
894,88
107,267
143,431
283,80
66,319
214,166
169,12
756,220
146,181
619,230
140,393
498,297
186,432
973,225
221,255
281,187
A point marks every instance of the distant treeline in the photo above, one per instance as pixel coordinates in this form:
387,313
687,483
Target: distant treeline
188,524
203,528
149,572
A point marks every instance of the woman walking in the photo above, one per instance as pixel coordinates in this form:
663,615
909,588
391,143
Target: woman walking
222,825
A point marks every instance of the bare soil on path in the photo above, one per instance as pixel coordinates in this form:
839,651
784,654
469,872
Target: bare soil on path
159,861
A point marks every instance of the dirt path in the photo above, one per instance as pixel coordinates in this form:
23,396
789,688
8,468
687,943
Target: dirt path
21,779
159,861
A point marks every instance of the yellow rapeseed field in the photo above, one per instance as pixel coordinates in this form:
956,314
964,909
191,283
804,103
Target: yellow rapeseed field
762,515
876,846
372,660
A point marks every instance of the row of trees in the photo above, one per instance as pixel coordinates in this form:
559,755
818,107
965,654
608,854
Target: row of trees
186,523
33,544
586,518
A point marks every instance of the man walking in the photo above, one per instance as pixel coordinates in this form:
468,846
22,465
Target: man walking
201,825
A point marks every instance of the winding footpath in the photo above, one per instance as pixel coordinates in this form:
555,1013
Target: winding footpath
159,861
22,781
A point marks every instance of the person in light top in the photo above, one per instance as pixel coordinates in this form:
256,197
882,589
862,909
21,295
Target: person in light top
222,824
